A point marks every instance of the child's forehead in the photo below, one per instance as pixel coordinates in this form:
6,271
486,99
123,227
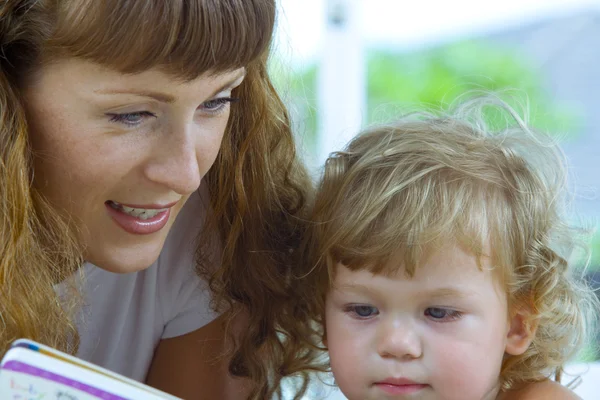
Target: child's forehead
448,274
439,254
445,262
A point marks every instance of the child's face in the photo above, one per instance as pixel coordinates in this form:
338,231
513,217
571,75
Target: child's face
441,334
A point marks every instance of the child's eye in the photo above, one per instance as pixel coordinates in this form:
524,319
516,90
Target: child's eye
362,310
131,119
442,314
216,105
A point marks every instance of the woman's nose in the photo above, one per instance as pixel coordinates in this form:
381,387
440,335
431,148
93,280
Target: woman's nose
175,163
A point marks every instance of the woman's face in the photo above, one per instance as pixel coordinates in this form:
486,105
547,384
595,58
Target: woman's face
121,154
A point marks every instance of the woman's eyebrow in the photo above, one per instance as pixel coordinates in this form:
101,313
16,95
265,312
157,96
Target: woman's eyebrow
159,96
167,98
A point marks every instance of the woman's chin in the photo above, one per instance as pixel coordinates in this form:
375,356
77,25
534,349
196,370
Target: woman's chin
119,262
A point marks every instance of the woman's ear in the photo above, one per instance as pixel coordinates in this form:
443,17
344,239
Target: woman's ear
521,332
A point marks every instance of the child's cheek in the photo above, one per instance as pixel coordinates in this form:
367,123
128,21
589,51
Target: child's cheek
347,343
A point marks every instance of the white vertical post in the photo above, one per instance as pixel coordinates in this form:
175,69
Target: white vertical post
341,81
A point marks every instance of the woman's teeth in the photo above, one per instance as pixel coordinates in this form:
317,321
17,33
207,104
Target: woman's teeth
140,213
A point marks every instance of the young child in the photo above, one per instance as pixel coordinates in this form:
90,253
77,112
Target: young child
437,262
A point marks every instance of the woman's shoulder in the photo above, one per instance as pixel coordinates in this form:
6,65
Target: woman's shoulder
543,390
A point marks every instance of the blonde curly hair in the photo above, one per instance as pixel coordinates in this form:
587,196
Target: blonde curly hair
432,177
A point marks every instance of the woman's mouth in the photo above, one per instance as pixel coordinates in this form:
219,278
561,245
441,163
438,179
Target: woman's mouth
139,220
141,213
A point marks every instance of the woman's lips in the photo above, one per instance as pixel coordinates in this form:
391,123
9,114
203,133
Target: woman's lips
139,225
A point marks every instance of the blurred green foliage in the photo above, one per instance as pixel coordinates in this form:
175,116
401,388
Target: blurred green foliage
594,264
437,77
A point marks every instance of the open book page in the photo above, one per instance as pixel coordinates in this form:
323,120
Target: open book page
30,369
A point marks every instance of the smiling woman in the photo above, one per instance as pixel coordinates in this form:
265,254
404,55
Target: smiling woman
149,182
134,147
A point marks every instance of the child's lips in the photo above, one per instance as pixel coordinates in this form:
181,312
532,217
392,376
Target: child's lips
398,381
399,386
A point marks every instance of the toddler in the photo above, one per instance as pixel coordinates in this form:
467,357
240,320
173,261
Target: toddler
438,261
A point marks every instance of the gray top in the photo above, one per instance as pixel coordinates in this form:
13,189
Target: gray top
124,316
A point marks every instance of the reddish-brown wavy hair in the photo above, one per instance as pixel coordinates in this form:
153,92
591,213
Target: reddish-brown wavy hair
258,186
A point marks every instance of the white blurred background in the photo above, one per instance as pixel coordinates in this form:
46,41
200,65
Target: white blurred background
343,64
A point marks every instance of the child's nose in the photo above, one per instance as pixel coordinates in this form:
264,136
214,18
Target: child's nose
399,339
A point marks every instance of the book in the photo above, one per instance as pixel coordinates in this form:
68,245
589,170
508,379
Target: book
30,370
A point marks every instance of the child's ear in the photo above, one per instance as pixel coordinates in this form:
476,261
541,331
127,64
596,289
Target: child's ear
521,332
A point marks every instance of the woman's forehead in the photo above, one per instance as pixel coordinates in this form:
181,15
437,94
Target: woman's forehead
96,77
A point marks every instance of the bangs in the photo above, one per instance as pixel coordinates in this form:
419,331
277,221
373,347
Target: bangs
399,193
410,222
185,37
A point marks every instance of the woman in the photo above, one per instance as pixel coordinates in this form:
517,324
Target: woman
143,139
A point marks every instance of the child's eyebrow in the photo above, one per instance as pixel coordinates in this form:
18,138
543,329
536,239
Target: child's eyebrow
437,293
355,287
450,292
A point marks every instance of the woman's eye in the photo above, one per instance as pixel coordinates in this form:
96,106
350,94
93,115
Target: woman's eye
216,105
442,314
362,311
131,119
